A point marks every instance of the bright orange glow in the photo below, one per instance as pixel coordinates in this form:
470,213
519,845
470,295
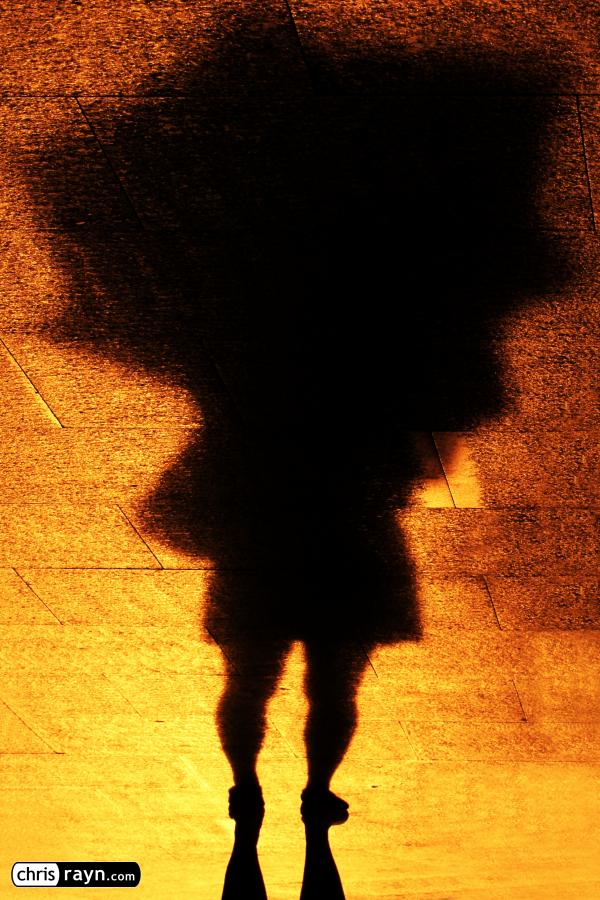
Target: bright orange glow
473,772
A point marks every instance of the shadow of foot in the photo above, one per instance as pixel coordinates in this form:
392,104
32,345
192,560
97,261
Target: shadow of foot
320,809
243,877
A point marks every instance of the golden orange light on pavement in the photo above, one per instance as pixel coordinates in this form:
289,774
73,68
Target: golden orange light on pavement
235,244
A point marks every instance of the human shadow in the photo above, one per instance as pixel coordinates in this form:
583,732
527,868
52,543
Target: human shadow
327,276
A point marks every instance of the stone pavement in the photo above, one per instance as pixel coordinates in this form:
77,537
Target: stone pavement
164,168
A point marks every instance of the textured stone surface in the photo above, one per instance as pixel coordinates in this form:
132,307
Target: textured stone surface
190,194
500,467
147,47
70,535
567,601
19,604
120,597
353,48
74,188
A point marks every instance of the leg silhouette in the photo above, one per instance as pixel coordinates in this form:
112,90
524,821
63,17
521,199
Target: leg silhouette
333,674
243,877
334,670
241,723
321,879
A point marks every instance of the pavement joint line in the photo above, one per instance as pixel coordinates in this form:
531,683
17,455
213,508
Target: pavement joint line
37,394
121,694
369,660
108,162
103,429
146,545
120,228
336,92
111,569
489,593
28,727
35,594
410,743
229,659
285,740
301,50
524,714
103,569
437,453
585,161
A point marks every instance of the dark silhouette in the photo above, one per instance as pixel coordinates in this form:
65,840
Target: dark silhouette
331,281
243,877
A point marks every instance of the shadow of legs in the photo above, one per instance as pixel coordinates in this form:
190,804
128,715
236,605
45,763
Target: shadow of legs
251,681
333,674
334,670
243,877
252,677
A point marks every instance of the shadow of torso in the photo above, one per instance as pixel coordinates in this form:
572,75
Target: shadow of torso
378,245
374,245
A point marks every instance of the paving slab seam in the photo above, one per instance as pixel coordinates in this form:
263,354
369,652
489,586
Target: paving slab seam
491,599
301,48
109,163
29,728
38,396
36,595
586,162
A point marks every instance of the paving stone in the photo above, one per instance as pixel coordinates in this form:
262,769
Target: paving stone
487,839
560,654
465,699
569,742
61,770
523,542
445,658
172,535
566,602
134,297
560,393
441,542
118,733
552,542
72,187
509,468
70,535
159,695
149,48
16,736
590,117
430,488
180,176
213,167
85,465
551,698
33,290
349,47
19,605
460,542
121,596
60,820
21,404
454,603
105,650
84,389
68,697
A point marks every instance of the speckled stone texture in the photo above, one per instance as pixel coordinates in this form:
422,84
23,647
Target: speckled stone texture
293,294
